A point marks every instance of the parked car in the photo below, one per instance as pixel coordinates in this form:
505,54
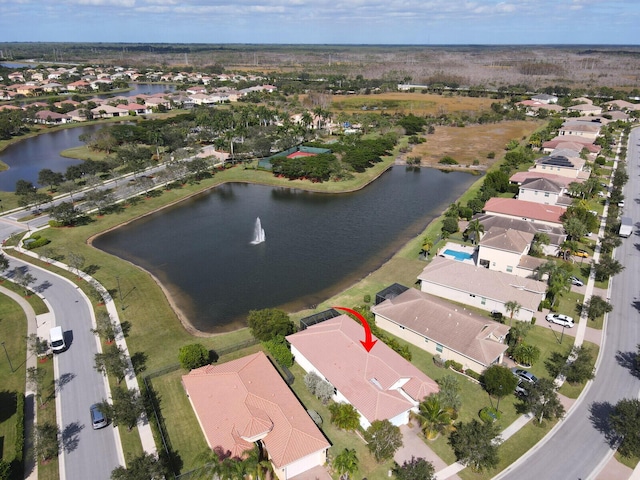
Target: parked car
576,281
581,253
560,319
523,376
98,419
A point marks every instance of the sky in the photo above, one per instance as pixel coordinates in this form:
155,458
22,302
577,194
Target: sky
422,22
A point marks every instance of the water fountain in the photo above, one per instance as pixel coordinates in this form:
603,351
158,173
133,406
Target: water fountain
258,233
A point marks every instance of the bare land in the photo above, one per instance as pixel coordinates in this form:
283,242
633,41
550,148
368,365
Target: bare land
466,144
405,103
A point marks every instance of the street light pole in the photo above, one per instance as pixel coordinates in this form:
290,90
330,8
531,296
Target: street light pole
8,359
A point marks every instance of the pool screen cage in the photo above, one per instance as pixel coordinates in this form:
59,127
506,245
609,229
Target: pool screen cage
318,318
391,291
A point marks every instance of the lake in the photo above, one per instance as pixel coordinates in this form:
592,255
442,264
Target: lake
316,244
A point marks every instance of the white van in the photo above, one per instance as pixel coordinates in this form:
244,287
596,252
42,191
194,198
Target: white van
56,339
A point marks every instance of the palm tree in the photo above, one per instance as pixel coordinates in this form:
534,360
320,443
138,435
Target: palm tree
434,418
526,354
558,281
539,239
512,308
475,228
568,248
344,416
346,463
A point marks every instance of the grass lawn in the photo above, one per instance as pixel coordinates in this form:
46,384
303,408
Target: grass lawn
35,301
48,470
13,330
630,462
512,449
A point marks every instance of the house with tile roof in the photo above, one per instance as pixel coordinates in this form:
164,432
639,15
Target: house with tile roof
481,287
556,234
524,210
561,162
107,111
545,191
571,142
380,384
442,328
585,109
244,402
502,249
48,117
586,129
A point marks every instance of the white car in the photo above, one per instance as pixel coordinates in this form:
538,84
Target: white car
560,319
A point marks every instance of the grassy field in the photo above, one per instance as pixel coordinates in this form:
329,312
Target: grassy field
474,142
418,104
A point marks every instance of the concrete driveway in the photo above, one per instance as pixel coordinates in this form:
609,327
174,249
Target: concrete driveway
414,445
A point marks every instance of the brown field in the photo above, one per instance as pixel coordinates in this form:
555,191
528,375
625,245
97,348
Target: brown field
406,102
466,144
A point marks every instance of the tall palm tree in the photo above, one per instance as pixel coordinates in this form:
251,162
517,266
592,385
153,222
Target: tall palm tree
435,418
512,308
475,228
346,463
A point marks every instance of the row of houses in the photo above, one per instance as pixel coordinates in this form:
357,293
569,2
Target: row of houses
584,107
55,80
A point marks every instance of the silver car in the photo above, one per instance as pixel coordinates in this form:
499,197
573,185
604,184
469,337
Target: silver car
98,419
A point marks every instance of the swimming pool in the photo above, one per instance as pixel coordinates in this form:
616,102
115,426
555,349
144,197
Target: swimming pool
458,255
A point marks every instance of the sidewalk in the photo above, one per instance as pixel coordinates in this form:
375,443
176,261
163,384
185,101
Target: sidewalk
144,428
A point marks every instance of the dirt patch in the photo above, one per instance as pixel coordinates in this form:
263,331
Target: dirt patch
475,142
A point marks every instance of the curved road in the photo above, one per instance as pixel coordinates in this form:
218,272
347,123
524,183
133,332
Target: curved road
580,447
86,453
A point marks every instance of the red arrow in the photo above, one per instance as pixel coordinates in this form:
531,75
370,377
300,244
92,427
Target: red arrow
368,341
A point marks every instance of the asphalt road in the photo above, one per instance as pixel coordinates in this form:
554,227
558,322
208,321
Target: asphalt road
86,453
583,442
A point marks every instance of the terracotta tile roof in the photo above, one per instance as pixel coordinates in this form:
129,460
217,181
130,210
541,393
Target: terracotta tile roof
525,210
562,139
480,281
364,378
243,400
461,330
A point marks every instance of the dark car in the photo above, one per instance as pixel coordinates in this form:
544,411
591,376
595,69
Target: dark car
523,377
98,419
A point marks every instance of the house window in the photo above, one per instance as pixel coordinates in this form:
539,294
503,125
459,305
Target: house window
493,264
426,340
546,194
509,269
483,301
439,348
535,193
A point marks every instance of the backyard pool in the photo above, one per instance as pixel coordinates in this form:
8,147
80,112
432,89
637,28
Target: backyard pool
460,256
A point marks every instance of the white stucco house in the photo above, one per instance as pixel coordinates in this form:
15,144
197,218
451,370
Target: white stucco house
481,287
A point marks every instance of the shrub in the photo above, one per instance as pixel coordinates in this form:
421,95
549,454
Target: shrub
491,155
447,160
367,298
280,350
193,356
489,415
473,374
455,365
439,361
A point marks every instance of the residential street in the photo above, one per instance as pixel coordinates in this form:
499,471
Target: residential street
580,446
86,453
